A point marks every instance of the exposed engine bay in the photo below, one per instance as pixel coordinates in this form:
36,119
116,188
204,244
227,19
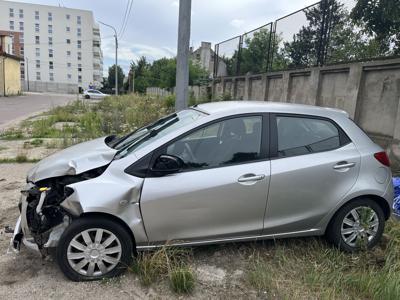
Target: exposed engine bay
41,213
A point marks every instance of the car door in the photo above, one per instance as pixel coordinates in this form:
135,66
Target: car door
220,193
314,165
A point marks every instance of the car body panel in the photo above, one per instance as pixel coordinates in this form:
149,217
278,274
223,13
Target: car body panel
305,188
203,204
73,160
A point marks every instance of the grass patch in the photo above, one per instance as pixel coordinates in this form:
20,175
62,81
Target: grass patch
18,159
12,134
166,263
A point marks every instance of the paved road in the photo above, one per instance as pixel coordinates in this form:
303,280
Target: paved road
21,107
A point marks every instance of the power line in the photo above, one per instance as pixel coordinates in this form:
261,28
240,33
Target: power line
125,14
127,19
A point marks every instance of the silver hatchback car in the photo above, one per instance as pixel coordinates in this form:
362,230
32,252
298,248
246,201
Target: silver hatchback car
213,173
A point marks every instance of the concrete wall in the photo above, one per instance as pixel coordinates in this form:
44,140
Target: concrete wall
53,87
368,91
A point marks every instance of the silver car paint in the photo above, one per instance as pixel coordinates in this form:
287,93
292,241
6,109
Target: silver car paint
116,193
73,160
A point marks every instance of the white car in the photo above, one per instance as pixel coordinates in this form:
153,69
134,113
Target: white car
93,94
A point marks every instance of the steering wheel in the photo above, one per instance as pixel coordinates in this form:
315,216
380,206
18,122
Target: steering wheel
190,152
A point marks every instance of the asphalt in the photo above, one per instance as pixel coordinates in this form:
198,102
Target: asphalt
20,107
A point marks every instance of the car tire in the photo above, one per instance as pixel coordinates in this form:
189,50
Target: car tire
349,235
87,97
107,255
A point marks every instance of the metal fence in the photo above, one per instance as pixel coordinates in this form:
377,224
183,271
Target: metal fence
320,34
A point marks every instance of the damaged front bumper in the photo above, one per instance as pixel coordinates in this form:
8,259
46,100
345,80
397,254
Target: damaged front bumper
22,233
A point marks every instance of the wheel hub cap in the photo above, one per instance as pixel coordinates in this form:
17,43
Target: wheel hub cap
359,226
94,252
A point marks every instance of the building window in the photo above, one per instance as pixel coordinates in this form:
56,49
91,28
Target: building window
79,44
51,76
50,16
79,32
50,41
22,51
37,64
79,20
69,76
68,29
68,41
37,52
51,65
11,12
37,15
37,40
50,52
37,75
79,67
79,78
11,25
21,26
68,17
69,65
68,53
21,13
50,27
37,27
21,38
79,55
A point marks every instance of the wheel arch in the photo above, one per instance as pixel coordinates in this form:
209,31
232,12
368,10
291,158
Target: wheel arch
113,218
379,200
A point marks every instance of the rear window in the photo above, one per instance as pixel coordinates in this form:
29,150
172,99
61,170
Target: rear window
301,135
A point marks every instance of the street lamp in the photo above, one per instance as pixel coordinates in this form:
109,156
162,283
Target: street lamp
116,56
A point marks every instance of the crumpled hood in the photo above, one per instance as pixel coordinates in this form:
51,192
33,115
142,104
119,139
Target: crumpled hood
73,160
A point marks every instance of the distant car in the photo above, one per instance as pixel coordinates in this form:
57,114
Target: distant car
213,173
93,94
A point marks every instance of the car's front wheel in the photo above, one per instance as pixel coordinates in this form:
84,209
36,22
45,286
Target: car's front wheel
93,248
359,224
87,97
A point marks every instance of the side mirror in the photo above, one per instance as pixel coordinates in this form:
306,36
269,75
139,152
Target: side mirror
167,164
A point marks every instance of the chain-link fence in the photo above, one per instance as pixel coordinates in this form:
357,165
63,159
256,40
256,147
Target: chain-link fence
327,32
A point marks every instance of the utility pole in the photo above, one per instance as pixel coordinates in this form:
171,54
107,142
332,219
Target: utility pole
116,56
182,59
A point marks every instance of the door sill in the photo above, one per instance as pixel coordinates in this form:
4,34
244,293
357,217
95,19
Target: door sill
308,232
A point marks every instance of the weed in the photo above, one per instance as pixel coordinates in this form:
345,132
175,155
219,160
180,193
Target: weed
259,275
181,279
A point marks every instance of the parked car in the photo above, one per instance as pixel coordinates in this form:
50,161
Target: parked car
212,173
93,94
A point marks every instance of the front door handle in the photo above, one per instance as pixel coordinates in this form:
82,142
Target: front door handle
344,165
250,178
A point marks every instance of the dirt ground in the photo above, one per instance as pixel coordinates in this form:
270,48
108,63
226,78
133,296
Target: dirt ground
27,275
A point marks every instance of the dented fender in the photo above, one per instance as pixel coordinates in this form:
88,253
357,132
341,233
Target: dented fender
119,197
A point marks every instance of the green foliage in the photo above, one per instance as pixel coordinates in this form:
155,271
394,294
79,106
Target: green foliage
181,279
111,77
380,19
170,101
162,73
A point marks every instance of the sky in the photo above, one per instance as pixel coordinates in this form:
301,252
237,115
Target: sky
153,24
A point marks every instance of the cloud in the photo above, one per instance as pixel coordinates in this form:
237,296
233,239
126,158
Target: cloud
175,3
237,23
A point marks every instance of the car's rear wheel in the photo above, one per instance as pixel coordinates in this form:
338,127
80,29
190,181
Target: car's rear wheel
359,224
93,248
87,97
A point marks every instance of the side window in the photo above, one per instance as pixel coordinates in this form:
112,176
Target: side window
299,135
227,142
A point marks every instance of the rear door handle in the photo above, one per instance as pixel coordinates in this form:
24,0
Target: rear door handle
251,177
344,165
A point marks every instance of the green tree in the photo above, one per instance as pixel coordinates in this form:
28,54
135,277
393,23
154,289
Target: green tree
380,19
111,77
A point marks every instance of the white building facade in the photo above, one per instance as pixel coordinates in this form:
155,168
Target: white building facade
61,46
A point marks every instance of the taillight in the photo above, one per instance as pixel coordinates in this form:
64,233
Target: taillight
382,158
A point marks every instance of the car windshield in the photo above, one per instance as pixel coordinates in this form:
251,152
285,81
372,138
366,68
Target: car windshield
154,131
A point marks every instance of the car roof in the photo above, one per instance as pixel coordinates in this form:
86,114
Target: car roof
238,107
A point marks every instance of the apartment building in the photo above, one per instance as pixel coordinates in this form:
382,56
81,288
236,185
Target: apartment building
61,46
